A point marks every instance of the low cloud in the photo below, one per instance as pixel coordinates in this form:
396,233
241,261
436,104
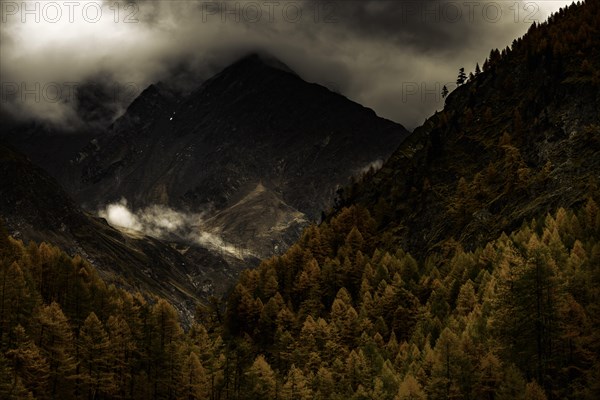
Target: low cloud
375,165
373,51
118,215
163,222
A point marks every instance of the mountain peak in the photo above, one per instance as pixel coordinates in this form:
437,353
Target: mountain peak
155,97
261,59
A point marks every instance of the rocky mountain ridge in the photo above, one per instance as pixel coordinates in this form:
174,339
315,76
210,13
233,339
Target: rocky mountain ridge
256,122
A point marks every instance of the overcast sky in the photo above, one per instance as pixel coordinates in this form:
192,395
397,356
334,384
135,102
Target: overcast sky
393,56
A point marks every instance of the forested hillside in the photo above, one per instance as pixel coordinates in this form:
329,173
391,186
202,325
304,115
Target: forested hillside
336,317
340,317
518,139
65,334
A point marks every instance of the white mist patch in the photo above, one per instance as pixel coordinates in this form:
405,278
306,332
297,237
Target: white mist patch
375,165
160,220
118,215
215,242
163,222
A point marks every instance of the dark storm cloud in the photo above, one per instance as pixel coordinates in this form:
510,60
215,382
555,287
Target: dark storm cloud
418,24
392,56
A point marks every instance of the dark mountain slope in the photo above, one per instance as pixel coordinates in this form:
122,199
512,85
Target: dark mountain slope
516,141
52,144
34,207
261,220
251,122
256,121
